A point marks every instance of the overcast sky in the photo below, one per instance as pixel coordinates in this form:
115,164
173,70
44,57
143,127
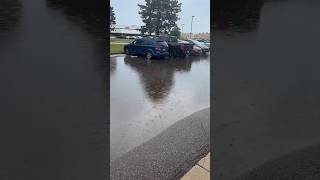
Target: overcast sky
126,12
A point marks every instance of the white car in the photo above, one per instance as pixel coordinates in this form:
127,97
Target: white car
206,43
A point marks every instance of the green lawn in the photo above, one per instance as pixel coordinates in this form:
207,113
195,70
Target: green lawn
116,48
119,40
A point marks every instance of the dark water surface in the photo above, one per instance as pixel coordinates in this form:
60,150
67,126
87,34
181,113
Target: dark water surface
266,88
53,92
147,98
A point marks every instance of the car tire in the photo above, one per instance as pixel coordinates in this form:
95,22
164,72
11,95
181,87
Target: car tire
148,55
174,53
188,53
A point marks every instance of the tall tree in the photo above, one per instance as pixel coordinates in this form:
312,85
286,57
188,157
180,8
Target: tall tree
159,16
112,18
175,32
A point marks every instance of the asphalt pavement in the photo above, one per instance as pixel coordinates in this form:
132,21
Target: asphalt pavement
53,92
302,164
266,90
170,154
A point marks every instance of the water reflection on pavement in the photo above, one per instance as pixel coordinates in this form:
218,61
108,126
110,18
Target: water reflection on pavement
147,97
53,91
266,88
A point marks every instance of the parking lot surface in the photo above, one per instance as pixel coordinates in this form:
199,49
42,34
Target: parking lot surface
147,97
53,91
266,86
169,155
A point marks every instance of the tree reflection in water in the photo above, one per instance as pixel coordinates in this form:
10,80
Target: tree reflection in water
157,76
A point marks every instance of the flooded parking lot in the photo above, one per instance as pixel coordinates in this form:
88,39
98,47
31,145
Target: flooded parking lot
53,90
266,85
148,97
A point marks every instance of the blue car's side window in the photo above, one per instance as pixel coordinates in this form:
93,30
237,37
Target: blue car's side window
138,42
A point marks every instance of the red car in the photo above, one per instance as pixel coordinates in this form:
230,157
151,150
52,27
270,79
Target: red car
196,51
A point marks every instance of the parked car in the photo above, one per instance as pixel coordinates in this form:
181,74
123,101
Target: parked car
196,51
177,48
204,48
204,42
147,47
184,48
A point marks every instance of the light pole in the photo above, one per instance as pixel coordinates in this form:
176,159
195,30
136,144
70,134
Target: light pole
182,28
191,26
181,35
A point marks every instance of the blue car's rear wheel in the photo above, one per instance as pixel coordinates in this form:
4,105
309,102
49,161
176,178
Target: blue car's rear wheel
148,55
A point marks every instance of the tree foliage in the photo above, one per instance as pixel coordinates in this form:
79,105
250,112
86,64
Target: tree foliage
175,32
159,16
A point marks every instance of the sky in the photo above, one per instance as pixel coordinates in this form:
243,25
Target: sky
126,12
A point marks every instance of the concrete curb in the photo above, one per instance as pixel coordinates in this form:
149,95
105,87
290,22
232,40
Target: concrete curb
201,171
116,55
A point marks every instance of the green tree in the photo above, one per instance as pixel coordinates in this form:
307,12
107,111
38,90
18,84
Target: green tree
159,16
175,32
112,18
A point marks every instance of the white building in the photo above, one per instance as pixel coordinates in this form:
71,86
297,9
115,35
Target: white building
122,30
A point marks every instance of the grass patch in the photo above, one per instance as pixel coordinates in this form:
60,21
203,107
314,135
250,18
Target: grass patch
119,40
116,48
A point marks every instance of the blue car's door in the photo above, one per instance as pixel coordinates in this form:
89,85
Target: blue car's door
137,46
147,44
130,47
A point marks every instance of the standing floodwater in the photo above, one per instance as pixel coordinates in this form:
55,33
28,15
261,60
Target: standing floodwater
148,97
267,90
53,92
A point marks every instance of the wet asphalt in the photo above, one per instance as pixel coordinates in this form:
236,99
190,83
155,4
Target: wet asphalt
302,164
170,154
148,97
53,91
266,90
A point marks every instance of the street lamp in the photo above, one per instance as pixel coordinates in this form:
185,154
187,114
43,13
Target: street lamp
182,28
191,26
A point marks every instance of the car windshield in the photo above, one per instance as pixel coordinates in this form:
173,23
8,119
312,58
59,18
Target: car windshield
196,42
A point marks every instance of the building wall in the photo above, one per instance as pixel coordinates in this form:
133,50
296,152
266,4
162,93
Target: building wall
126,30
196,36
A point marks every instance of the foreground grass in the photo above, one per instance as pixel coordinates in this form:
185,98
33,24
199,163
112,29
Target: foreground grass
116,48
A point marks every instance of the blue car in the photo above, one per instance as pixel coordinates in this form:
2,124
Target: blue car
147,47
